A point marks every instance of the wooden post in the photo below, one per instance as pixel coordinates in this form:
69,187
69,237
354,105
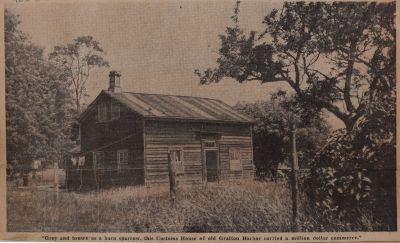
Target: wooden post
56,192
171,176
55,167
81,177
295,168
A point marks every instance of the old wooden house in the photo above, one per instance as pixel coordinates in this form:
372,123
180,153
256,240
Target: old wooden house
129,138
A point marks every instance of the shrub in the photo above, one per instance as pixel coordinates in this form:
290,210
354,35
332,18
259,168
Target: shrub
355,172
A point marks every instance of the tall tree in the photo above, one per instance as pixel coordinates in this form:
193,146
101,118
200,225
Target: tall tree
37,100
78,59
354,174
333,55
271,132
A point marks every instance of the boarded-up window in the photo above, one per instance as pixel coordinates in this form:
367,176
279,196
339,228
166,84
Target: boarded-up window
176,156
122,159
234,159
98,160
115,110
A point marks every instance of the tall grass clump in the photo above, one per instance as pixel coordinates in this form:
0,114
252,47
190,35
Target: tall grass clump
244,206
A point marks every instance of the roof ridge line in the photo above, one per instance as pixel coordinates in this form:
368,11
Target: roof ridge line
224,112
172,95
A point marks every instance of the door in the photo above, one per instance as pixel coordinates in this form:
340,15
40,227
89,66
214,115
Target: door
98,161
98,168
211,165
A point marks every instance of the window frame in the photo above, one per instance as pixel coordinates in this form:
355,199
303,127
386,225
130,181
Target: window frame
102,111
209,142
96,163
179,164
125,162
235,164
114,111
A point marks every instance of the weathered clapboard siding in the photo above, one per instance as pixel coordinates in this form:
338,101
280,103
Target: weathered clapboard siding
109,137
150,125
246,156
192,165
159,138
162,135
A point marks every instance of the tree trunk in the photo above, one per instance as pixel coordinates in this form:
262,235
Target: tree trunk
78,106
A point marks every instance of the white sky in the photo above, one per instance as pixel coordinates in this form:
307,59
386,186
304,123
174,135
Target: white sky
156,45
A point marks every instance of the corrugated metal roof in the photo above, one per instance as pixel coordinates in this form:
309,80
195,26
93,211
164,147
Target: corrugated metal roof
179,107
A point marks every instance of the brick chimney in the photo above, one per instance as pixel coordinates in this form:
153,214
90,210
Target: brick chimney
115,85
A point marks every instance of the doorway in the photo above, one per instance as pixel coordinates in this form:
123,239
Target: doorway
211,158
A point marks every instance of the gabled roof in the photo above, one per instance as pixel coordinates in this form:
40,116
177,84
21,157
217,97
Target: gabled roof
159,106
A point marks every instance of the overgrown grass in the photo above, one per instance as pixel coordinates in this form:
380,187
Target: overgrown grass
244,206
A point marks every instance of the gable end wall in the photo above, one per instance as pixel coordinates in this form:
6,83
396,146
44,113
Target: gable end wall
109,137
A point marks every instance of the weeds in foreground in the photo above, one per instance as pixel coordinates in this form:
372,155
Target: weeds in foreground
244,206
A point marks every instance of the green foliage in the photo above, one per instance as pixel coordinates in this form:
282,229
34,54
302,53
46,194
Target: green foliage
37,101
356,170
